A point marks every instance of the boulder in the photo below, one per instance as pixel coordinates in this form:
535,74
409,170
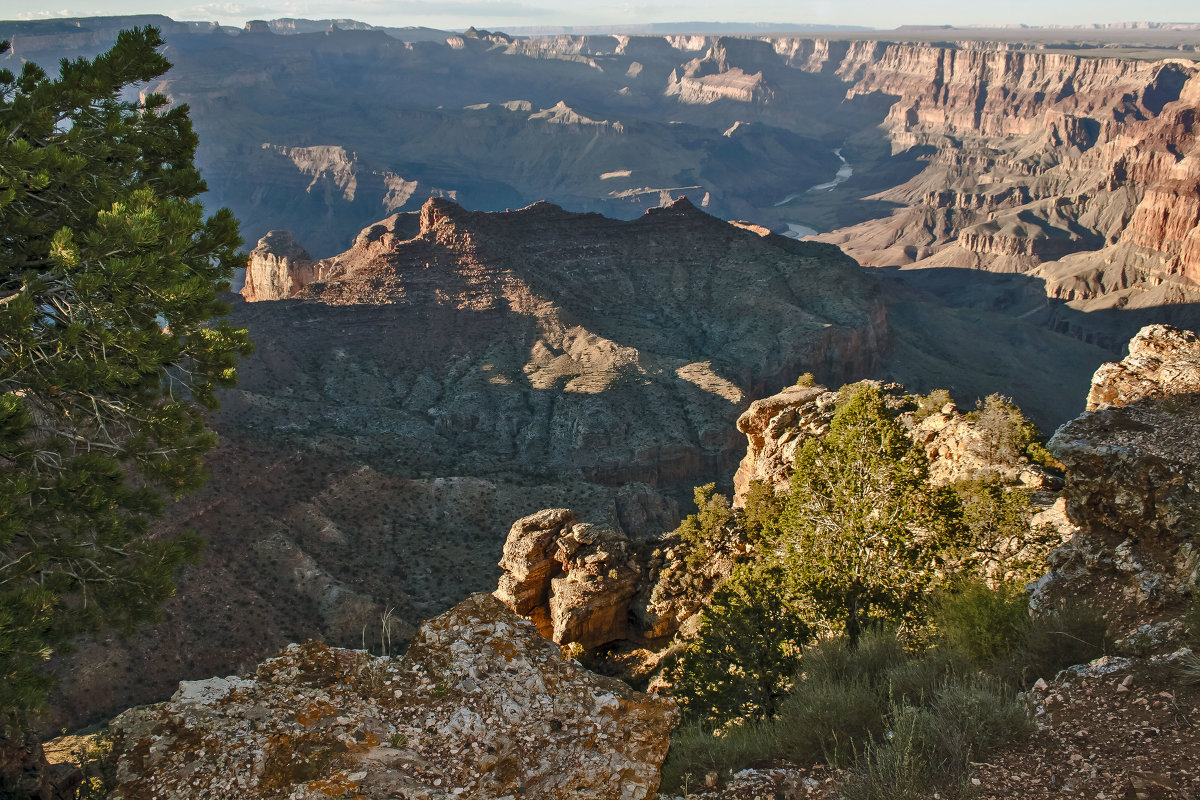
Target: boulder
1162,361
572,580
481,707
593,585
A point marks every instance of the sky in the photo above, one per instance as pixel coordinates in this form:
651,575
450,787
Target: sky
458,14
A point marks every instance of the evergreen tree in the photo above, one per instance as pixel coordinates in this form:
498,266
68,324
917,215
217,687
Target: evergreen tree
109,279
863,533
741,664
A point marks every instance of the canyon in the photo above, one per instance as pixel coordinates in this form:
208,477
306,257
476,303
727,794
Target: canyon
427,373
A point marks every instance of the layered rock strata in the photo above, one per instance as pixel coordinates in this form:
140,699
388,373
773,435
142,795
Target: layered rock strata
481,707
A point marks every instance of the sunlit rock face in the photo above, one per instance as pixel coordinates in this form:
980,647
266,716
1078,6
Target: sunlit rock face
481,707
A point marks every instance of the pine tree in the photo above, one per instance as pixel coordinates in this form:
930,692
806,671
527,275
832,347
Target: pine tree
741,665
864,534
109,350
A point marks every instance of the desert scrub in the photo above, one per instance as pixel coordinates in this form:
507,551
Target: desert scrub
900,722
1052,641
981,623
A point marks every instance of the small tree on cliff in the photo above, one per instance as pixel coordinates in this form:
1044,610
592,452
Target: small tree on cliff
748,650
109,276
863,534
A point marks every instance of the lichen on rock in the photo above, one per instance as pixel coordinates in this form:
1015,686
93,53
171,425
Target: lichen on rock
481,707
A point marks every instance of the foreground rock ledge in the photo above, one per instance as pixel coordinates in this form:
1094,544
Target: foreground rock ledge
481,707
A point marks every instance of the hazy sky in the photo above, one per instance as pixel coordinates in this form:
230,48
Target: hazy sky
501,13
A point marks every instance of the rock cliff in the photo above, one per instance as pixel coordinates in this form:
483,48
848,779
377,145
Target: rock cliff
1131,488
481,707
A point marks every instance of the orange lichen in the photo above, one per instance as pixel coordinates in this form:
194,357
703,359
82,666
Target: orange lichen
335,785
314,712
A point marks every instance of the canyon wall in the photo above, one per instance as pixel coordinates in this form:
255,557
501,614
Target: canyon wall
1072,162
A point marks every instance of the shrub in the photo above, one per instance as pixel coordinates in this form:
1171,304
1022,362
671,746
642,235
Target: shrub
930,404
826,720
983,624
1053,641
1189,669
696,751
761,512
864,535
991,510
1007,435
899,766
700,531
741,664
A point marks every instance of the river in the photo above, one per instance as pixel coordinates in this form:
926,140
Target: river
795,229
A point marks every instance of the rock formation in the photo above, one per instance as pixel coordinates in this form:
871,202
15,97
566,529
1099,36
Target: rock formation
586,584
957,448
278,267
481,707
25,772
1162,361
573,580
1131,485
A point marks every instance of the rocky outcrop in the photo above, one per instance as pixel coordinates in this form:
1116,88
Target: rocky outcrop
594,586
571,579
774,427
1162,361
481,707
25,772
1132,472
278,267
957,448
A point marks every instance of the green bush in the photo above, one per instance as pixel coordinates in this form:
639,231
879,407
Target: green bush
983,624
826,720
836,660
1007,434
898,766
932,744
696,751
741,664
761,512
1053,641
702,530
930,404
864,535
